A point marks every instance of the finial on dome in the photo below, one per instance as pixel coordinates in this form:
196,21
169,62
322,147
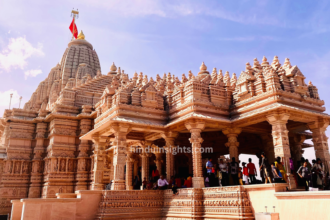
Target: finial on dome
113,67
203,67
264,62
310,83
81,35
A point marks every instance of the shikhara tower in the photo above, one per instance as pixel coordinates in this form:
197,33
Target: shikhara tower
76,130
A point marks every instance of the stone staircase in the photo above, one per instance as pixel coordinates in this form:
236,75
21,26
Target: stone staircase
231,202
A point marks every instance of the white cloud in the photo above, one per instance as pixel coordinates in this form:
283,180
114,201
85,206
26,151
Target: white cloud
32,73
17,52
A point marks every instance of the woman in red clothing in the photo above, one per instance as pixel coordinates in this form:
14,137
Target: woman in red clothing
188,182
155,174
245,174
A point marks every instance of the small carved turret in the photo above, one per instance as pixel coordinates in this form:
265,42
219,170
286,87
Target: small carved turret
287,63
256,64
203,69
276,63
264,62
313,91
113,69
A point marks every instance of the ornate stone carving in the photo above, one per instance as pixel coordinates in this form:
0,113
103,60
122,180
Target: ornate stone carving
232,143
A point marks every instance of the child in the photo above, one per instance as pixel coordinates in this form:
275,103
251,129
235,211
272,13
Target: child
245,174
240,176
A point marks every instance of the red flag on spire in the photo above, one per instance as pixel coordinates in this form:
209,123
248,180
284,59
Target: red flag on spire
73,29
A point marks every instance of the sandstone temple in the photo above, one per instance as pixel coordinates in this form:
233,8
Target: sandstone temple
82,129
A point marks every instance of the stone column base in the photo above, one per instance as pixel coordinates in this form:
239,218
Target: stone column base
97,186
198,182
118,185
129,187
291,182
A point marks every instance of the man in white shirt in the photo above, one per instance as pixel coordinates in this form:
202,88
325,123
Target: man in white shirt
162,183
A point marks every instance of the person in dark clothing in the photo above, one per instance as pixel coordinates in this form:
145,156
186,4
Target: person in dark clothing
136,184
304,174
234,171
265,167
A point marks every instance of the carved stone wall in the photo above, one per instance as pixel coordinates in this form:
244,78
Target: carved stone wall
132,204
191,203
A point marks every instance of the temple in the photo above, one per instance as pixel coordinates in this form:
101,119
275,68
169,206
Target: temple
82,129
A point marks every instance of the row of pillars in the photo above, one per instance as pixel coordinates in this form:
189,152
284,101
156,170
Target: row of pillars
122,157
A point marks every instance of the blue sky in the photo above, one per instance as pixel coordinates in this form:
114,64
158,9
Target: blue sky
154,37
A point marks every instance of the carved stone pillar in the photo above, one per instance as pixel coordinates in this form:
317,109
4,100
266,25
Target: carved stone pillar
129,171
98,168
145,165
296,149
83,157
119,158
169,139
281,142
195,128
37,162
320,141
136,167
232,143
268,147
159,162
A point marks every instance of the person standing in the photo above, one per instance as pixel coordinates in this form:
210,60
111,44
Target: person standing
304,174
223,175
155,174
281,168
245,174
252,171
265,168
234,171
277,176
319,171
209,166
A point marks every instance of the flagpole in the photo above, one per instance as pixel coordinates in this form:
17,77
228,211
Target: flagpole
74,13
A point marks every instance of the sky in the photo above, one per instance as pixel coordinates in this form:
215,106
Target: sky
153,37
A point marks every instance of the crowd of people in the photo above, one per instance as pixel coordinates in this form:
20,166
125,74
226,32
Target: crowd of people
158,182
224,173
310,176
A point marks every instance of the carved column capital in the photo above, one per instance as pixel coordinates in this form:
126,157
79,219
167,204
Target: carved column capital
195,124
232,143
278,118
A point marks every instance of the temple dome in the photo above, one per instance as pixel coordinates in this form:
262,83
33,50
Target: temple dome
78,51
79,59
